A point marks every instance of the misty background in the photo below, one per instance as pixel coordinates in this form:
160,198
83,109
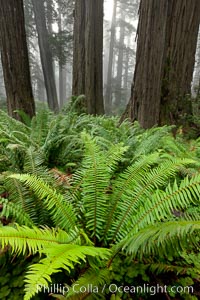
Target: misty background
119,55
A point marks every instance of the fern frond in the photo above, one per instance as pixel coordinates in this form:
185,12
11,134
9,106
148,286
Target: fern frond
31,205
34,162
61,211
161,204
161,239
149,141
96,278
58,256
114,155
40,126
8,124
124,185
191,213
16,212
158,268
23,238
136,196
96,175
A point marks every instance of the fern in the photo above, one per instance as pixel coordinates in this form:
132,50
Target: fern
162,203
40,126
33,239
96,179
59,256
31,205
142,192
60,209
129,210
16,212
161,238
98,277
125,184
55,245
158,268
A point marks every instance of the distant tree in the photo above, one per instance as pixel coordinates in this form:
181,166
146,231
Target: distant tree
15,62
88,53
62,68
118,81
120,59
108,95
64,45
78,85
167,36
94,56
2,86
196,75
46,52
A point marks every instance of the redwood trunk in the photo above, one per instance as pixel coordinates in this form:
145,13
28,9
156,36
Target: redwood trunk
108,95
45,54
94,56
167,36
118,98
88,53
182,33
15,62
78,85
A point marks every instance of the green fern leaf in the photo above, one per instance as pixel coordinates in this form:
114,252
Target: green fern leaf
160,205
96,179
32,239
136,195
61,210
125,184
58,256
93,277
15,211
161,239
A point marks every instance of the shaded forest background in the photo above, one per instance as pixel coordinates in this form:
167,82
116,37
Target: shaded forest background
120,22
52,30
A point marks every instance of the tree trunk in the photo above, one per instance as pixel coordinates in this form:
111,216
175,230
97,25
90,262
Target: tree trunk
78,84
40,89
94,56
15,62
167,36
196,75
45,54
126,73
88,53
108,96
182,33
62,84
2,85
118,92
62,67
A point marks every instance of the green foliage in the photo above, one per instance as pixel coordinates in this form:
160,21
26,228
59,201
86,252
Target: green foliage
12,277
57,139
119,192
60,209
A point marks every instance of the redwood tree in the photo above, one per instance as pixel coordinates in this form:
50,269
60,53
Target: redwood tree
45,54
14,55
78,85
118,97
108,95
167,36
88,53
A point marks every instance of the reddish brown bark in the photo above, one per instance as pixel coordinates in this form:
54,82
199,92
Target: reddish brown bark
88,54
14,55
167,36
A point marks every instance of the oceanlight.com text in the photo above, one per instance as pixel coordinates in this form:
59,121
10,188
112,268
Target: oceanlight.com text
113,288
